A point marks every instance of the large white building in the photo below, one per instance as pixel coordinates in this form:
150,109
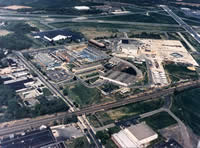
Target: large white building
135,136
82,8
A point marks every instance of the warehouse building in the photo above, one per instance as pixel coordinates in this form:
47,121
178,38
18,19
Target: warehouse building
56,35
32,139
96,43
87,68
82,8
135,136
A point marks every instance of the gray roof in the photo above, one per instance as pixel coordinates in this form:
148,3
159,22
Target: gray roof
141,131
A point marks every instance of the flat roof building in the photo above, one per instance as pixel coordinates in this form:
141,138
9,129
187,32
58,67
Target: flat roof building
135,136
56,35
34,139
86,68
82,8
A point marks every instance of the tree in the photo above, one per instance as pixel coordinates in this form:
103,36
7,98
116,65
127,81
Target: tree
65,91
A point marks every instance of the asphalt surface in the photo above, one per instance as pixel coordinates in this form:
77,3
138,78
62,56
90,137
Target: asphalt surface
183,24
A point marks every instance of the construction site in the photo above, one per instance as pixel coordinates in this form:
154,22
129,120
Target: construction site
156,53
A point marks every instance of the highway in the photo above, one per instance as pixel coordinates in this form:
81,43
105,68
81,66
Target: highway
149,95
183,24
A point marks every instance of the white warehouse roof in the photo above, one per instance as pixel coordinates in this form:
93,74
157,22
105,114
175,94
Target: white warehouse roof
82,7
136,136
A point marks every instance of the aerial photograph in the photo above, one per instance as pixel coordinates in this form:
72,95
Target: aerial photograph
99,73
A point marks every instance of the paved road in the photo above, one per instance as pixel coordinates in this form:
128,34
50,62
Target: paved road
183,129
183,24
186,41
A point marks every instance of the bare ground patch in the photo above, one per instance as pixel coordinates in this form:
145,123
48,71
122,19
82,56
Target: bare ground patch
16,7
4,32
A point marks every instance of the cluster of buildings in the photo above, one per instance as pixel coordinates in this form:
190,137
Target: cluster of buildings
104,9
44,137
56,62
17,77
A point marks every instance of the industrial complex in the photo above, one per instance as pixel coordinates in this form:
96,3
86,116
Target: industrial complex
155,53
99,74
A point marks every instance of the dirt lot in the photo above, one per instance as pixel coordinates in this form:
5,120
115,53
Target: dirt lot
16,7
92,33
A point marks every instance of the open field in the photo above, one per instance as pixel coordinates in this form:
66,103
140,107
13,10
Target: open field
159,120
91,32
104,118
186,107
85,96
151,18
179,72
39,25
136,27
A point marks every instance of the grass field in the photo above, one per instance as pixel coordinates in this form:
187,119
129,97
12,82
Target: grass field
159,121
135,27
151,18
186,107
83,95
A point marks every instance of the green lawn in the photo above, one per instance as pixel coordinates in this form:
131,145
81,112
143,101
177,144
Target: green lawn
159,121
186,107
